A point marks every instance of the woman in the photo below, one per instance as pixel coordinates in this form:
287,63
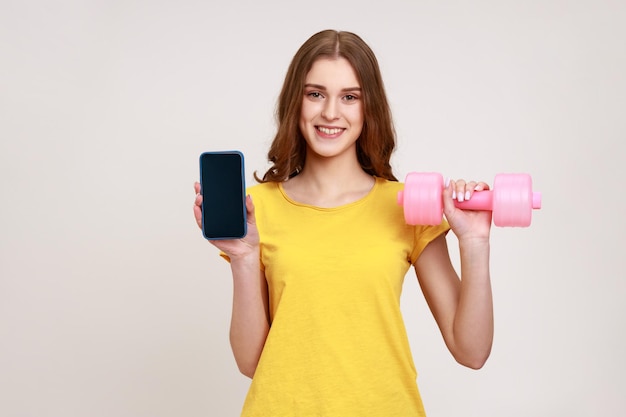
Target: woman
316,320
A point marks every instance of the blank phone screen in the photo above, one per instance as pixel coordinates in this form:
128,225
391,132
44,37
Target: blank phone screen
223,195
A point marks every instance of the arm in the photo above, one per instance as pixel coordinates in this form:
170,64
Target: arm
462,308
249,324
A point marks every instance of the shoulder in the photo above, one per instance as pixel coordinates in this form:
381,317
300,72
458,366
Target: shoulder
388,187
264,193
384,197
262,188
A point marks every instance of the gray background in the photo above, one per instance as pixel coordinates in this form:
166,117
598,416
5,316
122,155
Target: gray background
111,302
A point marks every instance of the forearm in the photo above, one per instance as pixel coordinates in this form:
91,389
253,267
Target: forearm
473,322
249,322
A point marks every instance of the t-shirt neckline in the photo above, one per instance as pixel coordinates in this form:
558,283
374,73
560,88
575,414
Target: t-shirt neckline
371,192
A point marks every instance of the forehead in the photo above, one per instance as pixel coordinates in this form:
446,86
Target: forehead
331,72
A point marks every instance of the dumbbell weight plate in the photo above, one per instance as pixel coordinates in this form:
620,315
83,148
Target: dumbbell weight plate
422,198
512,200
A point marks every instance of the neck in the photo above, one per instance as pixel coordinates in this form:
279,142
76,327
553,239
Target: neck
333,173
329,182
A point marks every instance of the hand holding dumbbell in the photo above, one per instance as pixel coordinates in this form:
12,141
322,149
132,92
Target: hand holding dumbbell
511,200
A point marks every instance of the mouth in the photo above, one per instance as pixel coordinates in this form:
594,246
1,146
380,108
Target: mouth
329,131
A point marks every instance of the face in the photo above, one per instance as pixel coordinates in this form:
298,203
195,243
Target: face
332,108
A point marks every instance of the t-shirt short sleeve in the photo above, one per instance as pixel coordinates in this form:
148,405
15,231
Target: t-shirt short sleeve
426,234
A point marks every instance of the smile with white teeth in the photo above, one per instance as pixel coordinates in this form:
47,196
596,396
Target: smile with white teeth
329,131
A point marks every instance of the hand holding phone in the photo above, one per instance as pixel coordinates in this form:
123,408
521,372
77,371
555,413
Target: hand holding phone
222,185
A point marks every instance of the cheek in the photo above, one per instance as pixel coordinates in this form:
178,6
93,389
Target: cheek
357,116
308,110
304,115
304,125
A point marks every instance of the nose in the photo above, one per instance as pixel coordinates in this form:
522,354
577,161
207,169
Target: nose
330,110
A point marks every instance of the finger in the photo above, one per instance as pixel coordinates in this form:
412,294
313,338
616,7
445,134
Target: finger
470,187
196,187
250,210
197,213
458,192
474,186
449,194
481,186
197,209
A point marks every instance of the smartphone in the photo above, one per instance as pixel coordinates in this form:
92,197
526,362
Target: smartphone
223,189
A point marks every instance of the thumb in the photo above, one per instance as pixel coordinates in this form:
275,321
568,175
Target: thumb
250,210
448,202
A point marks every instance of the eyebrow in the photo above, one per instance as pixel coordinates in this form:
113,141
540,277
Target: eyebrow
321,87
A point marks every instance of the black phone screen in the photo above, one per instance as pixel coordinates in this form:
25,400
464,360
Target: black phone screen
223,191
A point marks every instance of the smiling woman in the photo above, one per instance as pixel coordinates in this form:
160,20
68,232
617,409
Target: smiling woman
331,118
327,251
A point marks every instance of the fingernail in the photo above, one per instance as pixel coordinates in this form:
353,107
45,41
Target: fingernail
446,182
467,195
461,197
477,188
453,194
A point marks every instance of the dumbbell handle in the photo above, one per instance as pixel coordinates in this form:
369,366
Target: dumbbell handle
483,200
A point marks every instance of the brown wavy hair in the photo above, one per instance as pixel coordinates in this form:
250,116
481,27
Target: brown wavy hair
378,137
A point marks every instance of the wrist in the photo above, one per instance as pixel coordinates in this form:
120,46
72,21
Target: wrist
251,255
474,243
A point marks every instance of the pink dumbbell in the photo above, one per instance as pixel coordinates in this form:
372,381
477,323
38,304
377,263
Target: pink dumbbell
511,199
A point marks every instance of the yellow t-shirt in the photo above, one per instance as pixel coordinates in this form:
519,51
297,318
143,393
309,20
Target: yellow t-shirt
337,345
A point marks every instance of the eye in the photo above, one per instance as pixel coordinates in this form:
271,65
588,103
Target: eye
350,97
314,94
